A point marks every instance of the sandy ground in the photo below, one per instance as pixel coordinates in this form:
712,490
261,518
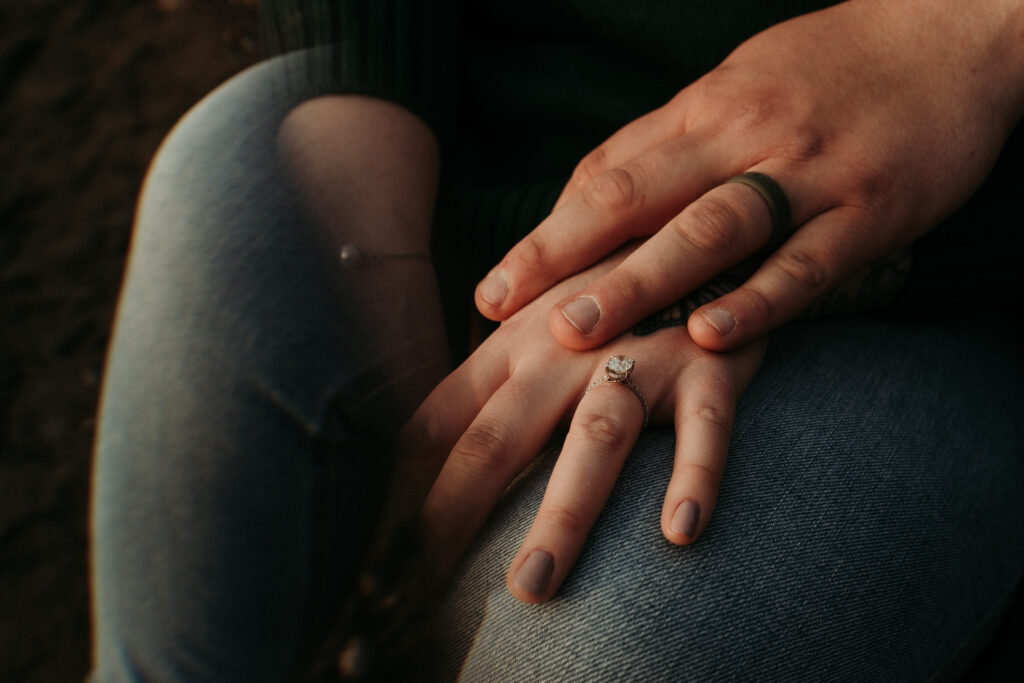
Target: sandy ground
87,91
88,88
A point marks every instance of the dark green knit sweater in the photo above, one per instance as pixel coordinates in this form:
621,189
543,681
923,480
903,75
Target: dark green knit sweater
519,92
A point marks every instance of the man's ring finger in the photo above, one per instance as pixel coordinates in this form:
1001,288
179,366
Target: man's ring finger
778,205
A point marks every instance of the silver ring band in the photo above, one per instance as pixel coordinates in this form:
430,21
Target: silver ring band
617,370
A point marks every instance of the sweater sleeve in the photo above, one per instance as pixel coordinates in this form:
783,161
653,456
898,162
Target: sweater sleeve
400,50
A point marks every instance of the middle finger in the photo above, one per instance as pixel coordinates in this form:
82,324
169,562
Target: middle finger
603,431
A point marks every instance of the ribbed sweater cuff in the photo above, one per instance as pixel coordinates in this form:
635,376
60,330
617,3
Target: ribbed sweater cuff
400,50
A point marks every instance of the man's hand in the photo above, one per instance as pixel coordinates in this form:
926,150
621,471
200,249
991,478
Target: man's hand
877,118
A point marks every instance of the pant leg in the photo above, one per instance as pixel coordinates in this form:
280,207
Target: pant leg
234,482
869,527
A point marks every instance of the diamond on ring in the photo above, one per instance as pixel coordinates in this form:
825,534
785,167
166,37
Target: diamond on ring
619,367
618,370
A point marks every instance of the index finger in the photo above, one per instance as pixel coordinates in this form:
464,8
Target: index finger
628,201
428,437
636,137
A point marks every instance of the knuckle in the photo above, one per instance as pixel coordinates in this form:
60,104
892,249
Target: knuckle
714,414
530,254
565,519
806,143
590,166
710,225
615,190
804,269
759,301
876,185
601,430
752,113
628,286
704,476
483,448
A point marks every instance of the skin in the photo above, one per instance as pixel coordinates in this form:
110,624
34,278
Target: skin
877,118
367,173
488,420
861,182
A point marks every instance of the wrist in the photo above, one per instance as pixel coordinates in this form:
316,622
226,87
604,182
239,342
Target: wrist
366,169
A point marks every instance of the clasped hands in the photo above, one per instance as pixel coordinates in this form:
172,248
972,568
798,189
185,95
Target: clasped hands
877,119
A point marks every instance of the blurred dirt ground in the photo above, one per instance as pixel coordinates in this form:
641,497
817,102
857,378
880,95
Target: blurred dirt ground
88,88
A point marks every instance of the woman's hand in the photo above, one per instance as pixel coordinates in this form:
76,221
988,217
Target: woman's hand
490,418
876,117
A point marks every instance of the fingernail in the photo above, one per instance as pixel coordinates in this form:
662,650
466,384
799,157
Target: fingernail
720,319
583,313
494,288
685,518
535,573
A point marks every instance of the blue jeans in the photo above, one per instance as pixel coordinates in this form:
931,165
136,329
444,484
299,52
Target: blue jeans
869,525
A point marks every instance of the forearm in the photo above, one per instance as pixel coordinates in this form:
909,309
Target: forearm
365,172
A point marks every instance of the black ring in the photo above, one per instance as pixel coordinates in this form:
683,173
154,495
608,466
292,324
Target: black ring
775,198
